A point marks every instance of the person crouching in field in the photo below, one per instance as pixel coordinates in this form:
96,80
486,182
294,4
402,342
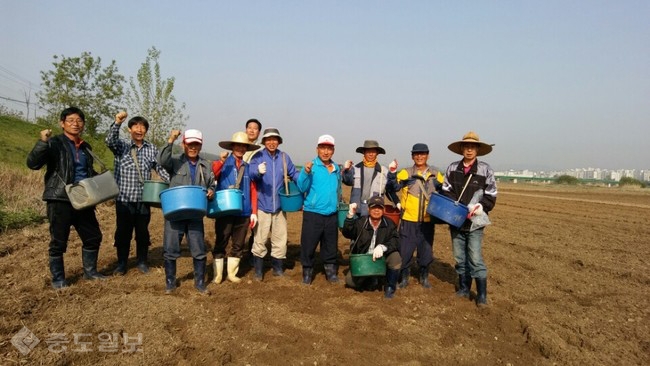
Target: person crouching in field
68,160
476,176
320,180
233,172
134,160
187,169
268,168
376,235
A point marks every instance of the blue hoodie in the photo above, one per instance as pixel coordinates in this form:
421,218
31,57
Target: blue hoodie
322,188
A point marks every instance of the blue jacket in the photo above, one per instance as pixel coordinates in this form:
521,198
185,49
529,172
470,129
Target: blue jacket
268,184
322,188
227,179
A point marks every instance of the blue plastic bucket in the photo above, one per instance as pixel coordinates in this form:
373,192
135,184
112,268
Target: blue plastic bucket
226,202
443,208
184,203
291,201
151,192
343,213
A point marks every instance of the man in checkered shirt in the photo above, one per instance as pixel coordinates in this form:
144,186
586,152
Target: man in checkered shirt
132,214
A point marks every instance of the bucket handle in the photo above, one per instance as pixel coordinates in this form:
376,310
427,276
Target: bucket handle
463,191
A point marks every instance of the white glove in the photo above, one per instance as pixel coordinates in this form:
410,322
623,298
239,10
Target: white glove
253,220
399,206
353,209
347,165
261,168
392,167
378,252
476,209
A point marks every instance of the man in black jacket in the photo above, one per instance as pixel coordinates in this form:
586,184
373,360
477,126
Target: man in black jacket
67,160
376,235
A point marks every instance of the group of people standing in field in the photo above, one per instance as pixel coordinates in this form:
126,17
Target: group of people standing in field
259,169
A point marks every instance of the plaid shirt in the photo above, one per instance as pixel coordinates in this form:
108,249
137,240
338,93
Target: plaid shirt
126,173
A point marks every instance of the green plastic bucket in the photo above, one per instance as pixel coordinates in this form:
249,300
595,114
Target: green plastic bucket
343,212
361,265
151,192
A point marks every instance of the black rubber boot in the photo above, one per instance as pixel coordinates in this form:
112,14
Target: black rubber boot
143,257
89,260
481,291
170,276
391,283
464,283
307,275
424,277
58,272
199,276
277,266
405,273
258,263
122,259
331,273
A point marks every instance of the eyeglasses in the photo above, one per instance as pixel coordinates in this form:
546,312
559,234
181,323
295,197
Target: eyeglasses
73,121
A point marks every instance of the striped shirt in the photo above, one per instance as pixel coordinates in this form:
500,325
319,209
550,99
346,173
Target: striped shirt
126,172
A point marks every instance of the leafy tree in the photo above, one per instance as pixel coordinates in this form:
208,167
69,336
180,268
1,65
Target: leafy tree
82,82
152,98
567,179
629,181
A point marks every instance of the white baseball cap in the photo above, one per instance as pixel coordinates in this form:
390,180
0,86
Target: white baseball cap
326,140
193,136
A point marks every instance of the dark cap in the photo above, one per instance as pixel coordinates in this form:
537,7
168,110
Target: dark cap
376,201
253,120
420,148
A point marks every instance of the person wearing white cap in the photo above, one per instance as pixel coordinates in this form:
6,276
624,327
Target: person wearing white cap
320,180
187,169
464,180
231,171
268,168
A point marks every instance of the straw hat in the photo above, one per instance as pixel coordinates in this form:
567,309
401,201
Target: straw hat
238,138
471,137
371,144
269,132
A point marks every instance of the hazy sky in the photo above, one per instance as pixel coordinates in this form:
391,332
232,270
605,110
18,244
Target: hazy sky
554,84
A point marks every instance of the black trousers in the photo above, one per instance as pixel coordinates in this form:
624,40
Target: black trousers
317,229
132,216
62,216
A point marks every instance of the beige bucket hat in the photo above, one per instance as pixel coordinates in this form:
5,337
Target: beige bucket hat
371,144
238,138
471,137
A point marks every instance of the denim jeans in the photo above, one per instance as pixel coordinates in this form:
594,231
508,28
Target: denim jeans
172,243
466,246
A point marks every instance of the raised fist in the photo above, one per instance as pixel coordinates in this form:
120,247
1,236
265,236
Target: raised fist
392,167
347,165
45,134
120,117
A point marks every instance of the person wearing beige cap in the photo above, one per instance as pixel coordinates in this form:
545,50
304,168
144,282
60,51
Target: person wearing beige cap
231,171
320,180
465,181
187,169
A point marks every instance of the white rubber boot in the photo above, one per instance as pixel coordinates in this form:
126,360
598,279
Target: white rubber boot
233,268
218,270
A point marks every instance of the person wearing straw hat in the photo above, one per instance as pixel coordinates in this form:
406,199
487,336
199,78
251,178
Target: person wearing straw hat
135,158
67,159
187,169
373,234
269,168
231,171
320,180
415,185
465,179
367,178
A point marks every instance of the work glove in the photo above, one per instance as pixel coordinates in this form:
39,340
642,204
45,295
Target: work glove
261,168
253,220
399,206
378,252
476,209
347,165
352,210
392,167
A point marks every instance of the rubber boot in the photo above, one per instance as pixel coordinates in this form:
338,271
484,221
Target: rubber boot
89,260
424,277
331,273
481,292
391,283
464,283
405,273
218,270
277,266
58,272
170,276
143,255
199,276
122,259
258,263
233,268
307,275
